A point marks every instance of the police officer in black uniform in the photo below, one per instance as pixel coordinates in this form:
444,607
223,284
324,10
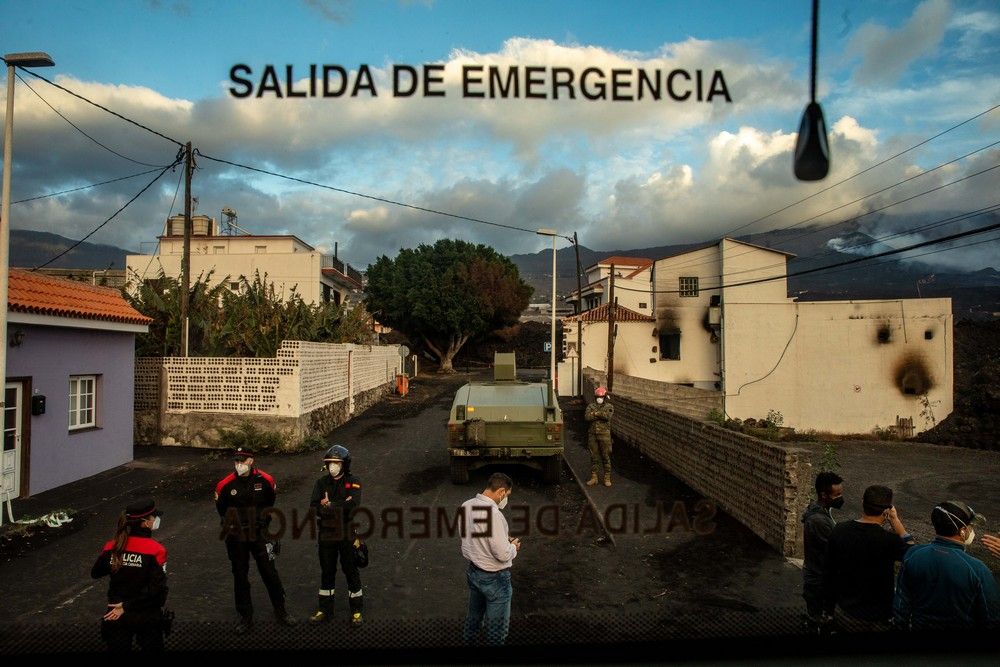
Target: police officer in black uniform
137,565
335,497
240,499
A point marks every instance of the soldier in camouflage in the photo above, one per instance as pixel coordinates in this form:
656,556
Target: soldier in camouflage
598,418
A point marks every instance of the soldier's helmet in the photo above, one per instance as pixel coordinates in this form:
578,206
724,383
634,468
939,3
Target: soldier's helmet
338,453
600,392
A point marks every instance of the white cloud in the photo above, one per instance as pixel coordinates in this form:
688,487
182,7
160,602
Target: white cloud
886,53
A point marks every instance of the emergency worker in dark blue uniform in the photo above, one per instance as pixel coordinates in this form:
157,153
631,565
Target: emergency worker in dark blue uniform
335,497
241,498
137,565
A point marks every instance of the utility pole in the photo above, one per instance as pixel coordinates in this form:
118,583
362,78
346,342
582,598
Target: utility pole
186,257
579,321
611,329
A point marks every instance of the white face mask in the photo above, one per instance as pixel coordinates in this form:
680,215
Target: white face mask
242,469
600,400
156,523
334,468
502,503
970,536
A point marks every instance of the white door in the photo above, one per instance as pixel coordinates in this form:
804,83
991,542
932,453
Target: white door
11,463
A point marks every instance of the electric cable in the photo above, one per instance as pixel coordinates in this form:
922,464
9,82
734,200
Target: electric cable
372,197
101,107
78,129
86,187
112,217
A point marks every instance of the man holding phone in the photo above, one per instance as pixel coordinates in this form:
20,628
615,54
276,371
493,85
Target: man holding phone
859,580
490,552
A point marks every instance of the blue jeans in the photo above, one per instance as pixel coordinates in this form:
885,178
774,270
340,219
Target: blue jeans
489,598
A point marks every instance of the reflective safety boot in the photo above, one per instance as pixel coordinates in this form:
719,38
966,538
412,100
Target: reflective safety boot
324,610
356,619
593,478
607,479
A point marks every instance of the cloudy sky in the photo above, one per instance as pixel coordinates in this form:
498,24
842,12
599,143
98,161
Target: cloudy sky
621,173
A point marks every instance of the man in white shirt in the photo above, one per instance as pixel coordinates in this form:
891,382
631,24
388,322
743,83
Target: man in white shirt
490,551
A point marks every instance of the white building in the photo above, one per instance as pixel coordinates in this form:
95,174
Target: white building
288,262
721,321
632,276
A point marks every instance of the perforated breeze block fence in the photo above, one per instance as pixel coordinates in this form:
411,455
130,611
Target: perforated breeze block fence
306,389
763,485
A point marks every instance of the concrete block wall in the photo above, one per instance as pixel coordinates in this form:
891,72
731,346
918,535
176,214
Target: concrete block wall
323,394
763,485
688,401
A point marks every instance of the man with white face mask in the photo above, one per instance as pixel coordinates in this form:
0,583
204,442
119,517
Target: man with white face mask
488,547
335,498
240,499
940,586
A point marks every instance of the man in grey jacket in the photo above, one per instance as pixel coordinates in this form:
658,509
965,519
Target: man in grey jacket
817,524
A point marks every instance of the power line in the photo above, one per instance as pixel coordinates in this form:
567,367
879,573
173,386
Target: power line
170,210
359,194
78,129
102,108
694,263
113,215
931,225
85,187
887,253
863,171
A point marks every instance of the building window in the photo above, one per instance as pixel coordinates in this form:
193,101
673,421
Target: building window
670,345
642,304
260,249
219,250
689,286
82,401
234,286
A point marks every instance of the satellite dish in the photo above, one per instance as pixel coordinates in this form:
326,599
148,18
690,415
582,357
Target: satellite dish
404,351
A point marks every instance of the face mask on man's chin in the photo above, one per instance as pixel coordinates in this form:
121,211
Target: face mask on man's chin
334,469
970,536
600,401
156,523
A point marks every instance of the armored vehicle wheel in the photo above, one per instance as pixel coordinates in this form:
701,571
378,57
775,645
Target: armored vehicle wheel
552,470
459,470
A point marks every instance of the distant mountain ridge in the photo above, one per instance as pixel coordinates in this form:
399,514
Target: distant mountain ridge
29,248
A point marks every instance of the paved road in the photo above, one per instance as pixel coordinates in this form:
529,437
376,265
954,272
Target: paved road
675,569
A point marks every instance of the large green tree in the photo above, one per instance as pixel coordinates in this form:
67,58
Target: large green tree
446,293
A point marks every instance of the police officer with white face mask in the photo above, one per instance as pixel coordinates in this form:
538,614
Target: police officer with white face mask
241,498
335,497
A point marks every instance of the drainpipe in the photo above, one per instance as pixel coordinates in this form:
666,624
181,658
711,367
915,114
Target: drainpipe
722,324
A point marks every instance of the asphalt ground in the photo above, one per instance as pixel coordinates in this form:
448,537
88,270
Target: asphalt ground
645,563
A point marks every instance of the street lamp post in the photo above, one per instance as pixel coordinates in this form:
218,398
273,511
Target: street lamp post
552,343
32,59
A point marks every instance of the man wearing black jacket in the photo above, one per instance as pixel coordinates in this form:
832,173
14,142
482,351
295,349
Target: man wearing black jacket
240,499
335,497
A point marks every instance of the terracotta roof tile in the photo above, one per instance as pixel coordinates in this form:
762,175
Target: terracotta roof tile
600,314
30,292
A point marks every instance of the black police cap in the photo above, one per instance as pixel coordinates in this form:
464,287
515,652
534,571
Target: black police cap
142,509
242,453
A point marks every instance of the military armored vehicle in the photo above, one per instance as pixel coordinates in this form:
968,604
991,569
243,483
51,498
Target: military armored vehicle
505,421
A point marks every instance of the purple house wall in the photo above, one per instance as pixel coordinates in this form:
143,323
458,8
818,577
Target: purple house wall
46,358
